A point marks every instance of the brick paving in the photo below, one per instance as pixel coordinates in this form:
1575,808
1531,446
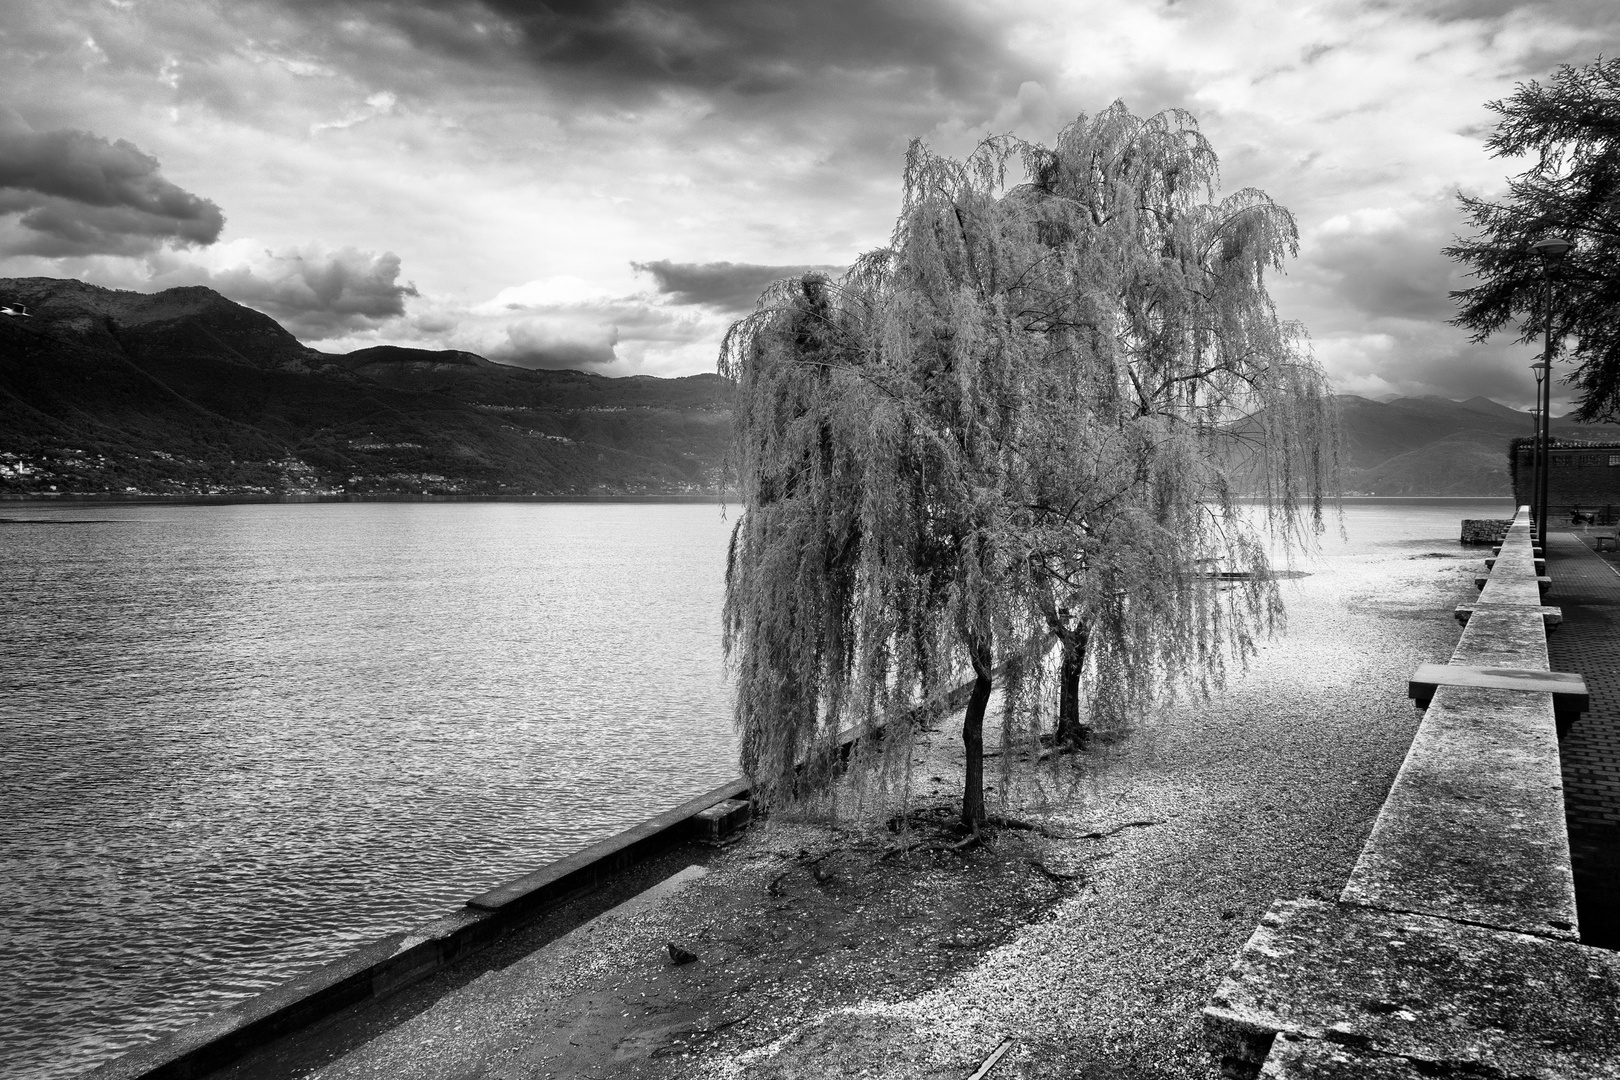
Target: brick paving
1587,586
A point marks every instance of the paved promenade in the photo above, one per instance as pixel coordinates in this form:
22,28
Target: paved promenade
1587,587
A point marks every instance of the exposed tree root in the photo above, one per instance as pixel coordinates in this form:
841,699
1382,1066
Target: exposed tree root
1020,824
721,1026
807,861
1041,830
1101,834
958,847
900,821
1054,876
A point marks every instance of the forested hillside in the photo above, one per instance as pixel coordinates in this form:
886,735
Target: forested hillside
185,392
1435,446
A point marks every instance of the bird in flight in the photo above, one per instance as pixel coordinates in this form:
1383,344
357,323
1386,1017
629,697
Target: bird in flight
14,309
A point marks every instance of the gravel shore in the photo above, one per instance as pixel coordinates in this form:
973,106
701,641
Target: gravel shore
1093,956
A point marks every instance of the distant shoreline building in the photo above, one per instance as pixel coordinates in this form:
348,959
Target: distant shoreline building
1582,478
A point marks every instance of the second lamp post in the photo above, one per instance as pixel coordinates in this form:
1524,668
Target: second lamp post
1546,249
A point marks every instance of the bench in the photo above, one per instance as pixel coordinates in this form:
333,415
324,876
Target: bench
1550,616
1541,564
1569,696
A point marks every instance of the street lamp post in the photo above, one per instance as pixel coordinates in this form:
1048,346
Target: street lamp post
1535,447
1546,249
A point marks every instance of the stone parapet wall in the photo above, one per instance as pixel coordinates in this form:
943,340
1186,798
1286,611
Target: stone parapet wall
1454,949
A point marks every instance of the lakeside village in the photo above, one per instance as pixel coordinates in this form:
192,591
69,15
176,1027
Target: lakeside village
71,471
82,473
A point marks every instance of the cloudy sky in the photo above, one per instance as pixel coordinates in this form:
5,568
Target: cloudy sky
605,185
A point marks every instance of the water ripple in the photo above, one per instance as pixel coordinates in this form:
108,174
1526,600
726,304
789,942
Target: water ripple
236,742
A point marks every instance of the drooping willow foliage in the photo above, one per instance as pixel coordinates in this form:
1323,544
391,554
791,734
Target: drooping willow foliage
1032,416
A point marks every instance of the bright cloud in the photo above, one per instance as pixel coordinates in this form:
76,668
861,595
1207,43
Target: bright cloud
606,185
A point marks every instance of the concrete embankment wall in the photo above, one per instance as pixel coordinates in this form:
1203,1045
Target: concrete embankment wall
400,960
1454,947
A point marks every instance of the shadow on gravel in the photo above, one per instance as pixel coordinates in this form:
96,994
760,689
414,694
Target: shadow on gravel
867,918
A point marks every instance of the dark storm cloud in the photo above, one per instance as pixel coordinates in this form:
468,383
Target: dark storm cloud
1391,265
727,286
751,48
564,356
314,293
536,345
79,194
1587,14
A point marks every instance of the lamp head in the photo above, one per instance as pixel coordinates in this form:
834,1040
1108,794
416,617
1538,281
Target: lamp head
1551,246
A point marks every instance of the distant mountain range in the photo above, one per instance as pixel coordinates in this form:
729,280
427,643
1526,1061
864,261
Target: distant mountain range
1435,446
184,392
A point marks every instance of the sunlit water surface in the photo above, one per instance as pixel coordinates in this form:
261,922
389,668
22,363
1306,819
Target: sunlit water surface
238,741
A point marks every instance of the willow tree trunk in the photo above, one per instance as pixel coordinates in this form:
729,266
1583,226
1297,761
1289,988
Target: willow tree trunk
1069,731
973,736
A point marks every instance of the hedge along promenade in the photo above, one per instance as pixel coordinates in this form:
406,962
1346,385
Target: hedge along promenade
1453,950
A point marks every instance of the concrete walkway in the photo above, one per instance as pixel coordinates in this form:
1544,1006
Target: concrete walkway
1587,587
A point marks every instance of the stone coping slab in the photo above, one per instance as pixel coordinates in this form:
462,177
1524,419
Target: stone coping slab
1450,998
1550,616
1568,689
1512,638
371,971
1473,828
382,967
1512,588
586,867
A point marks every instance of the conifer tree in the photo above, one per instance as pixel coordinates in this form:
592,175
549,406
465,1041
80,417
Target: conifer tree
1571,125
1030,417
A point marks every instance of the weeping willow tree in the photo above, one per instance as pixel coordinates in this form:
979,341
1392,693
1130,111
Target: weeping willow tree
1033,418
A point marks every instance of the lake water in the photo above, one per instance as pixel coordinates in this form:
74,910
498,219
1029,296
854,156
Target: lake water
238,741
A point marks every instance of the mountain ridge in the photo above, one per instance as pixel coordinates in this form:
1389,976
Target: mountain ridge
1437,446
185,392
